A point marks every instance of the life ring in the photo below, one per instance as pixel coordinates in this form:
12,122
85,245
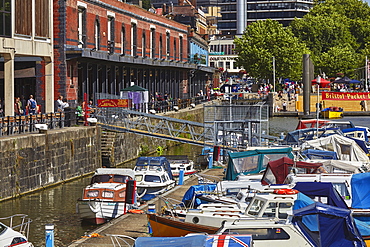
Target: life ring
286,191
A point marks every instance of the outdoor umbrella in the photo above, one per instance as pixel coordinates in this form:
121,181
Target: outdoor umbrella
323,82
355,81
343,80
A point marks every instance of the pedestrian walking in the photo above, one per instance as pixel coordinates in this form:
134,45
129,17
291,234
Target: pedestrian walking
284,105
31,105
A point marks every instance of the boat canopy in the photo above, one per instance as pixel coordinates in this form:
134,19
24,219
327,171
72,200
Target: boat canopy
320,154
277,170
155,161
360,190
195,190
312,123
326,225
322,189
345,148
253,161
297,137
115,171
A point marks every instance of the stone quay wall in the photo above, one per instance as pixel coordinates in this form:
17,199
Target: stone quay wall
33,161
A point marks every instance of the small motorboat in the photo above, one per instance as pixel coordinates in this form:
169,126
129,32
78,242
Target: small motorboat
332,112
16,232
105,197
153,177
180,162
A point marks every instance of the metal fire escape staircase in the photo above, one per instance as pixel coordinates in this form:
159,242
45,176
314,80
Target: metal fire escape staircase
121,120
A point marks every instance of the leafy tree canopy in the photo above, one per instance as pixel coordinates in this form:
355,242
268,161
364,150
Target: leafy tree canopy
263,40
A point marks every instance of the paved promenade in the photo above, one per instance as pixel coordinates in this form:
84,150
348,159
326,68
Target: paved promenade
135,225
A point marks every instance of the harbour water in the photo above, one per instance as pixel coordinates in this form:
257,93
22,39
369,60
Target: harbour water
57,205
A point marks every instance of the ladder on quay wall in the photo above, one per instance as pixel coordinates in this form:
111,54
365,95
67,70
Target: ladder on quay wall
107,147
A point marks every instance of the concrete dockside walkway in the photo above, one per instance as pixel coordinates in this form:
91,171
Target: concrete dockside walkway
135,225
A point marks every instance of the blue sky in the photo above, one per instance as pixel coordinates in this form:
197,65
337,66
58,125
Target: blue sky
367,1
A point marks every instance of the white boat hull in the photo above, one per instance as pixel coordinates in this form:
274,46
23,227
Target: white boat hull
99,212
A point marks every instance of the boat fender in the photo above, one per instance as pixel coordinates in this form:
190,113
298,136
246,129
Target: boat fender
135,211
285,191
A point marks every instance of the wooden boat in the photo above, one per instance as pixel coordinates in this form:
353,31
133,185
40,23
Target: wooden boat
163,226
104,198
332,112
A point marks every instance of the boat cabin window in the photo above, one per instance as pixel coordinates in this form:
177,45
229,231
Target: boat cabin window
155,168
120,178
139,178
122,194
261,233
342,189
92,193
108,194
151,178
2,228
100,178
283,209
141,168
255,207
164,179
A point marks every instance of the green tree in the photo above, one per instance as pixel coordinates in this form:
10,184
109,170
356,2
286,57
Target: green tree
263,40
333,25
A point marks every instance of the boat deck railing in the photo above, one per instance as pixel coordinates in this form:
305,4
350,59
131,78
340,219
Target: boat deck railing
18,222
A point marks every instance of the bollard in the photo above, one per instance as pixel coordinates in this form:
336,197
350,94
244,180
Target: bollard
181,176
151,210
210,161
49,234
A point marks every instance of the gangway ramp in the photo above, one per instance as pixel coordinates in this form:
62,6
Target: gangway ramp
173,129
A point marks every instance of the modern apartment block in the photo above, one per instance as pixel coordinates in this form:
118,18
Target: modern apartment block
237,14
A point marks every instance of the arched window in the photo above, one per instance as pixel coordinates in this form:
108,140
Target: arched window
133,39
174,49
123,40
97,35
143,46
160,50
181,48
152,42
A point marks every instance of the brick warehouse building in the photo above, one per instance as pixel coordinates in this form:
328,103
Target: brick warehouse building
104,46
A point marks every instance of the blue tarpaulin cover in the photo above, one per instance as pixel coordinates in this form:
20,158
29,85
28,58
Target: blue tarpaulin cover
192,191
321,189
360,190
320,154
326,225
189,241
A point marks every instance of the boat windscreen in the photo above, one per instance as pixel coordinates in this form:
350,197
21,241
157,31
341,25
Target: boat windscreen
100,178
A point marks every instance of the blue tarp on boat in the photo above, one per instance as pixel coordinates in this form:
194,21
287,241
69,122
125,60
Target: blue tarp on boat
253,161
197,190
326,225
320,154
297,137
321,189
195,241
360,190
189,241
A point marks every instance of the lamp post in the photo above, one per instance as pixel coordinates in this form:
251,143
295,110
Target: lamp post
273,71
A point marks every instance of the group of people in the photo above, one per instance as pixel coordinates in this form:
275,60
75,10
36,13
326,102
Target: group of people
23,107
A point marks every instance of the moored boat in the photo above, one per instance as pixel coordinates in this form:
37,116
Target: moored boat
332,112
16,232
180,162
105,197
153,177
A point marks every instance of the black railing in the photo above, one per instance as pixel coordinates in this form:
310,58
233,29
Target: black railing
11,125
